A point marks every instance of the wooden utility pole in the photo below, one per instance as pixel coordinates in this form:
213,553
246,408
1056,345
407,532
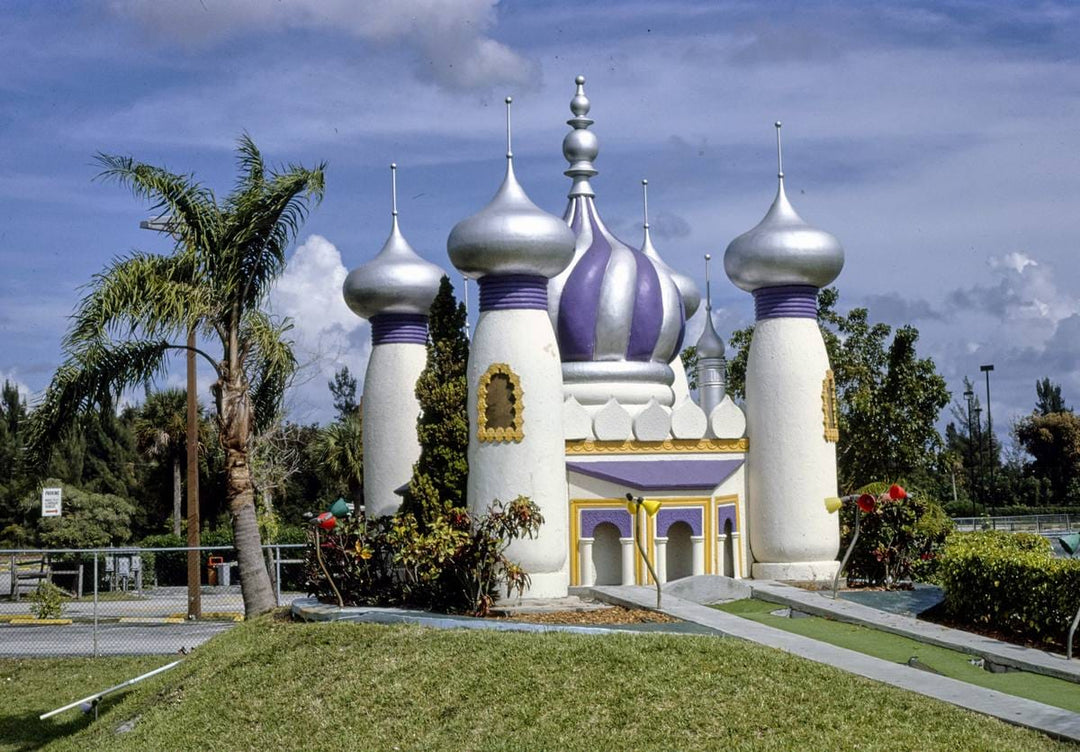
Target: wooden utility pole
193,558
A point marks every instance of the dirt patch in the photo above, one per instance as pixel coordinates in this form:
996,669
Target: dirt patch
595,617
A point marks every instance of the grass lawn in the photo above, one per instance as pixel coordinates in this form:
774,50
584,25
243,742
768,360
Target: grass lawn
30,687
277,685
899,649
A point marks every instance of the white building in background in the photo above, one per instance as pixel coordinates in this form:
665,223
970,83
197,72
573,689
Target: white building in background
577,395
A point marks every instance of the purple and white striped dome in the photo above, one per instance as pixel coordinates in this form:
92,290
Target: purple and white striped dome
613,303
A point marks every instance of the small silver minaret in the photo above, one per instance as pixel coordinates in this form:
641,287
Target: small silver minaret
711,365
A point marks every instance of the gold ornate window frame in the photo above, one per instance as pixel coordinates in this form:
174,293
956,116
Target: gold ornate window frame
828,407
516,430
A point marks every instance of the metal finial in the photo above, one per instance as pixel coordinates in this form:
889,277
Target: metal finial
779,153
708,285
645,200
393,189
509,151
580,145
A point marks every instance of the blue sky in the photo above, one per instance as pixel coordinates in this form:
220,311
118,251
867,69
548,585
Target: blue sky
938,141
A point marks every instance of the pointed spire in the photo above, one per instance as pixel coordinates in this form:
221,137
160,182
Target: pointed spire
509,151
580,146
708,283
709,345
689,293
779,153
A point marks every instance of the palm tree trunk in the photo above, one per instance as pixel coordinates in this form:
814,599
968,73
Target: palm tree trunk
255,584
177,496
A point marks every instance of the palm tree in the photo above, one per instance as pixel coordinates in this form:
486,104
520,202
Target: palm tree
160,428
215,282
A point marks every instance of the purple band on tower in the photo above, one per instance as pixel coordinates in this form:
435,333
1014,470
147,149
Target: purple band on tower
407,328
789,301
506,292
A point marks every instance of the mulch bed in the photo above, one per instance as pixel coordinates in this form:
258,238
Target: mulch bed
595,617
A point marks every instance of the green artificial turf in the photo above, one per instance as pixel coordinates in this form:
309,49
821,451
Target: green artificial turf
269,685
30,687
899,649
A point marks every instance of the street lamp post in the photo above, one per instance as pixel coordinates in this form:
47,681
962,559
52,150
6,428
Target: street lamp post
969,395
194,577
989,433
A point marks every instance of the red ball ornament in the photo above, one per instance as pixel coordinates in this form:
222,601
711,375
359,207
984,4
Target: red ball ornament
867,502
326,521
896,492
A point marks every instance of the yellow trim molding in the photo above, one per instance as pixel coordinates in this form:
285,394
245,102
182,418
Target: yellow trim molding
700,446
828,407
516,431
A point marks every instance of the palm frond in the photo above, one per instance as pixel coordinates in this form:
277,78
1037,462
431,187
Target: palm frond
148,295
192,209
269,364
261,227
93,375
249,160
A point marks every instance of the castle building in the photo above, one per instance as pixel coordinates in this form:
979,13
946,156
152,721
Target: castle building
577,394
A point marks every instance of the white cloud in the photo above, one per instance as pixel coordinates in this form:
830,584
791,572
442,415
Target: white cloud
326,334
449,38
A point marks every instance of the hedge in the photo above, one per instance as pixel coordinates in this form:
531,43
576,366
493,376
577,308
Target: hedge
1010,582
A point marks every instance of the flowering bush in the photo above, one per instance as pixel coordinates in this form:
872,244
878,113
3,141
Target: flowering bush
900,536
455,563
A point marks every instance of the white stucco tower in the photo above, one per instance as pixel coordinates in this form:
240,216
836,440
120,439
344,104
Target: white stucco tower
516,444
790,394
394,291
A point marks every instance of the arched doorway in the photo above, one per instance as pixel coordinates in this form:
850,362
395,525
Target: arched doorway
680,553
607,554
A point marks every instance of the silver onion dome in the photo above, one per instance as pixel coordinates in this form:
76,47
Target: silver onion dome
397,280
688,289
783,249
709,344
511,235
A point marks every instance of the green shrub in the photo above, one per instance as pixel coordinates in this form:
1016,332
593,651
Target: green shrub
899,540
456,563
168,567
47,602
1010,582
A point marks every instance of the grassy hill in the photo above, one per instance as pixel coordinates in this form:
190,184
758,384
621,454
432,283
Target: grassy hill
270,685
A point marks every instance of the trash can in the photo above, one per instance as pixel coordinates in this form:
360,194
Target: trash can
213,564
225,573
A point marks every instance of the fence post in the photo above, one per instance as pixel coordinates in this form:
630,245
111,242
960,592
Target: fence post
96,580
277,574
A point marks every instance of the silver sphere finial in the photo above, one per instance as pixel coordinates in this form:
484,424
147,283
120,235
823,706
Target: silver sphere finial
645,201
708,285
393,189
509,151
580,145
779,153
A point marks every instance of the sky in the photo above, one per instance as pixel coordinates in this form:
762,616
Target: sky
937,140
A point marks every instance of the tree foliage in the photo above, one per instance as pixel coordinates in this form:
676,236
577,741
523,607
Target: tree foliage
1053,441
440,475
343,390
1048,398
142,307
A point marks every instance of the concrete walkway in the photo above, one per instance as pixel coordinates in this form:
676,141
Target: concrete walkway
1021,712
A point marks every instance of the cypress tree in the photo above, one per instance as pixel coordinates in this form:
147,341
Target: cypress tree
439,476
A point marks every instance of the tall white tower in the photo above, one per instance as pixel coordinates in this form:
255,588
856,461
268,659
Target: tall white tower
516,444
790,394
394,291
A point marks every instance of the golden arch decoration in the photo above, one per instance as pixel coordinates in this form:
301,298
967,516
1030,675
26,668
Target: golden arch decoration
828,407
499,408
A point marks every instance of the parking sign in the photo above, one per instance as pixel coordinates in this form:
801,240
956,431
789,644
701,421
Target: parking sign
50,502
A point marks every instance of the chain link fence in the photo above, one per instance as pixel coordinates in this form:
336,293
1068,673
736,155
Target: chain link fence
126,601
